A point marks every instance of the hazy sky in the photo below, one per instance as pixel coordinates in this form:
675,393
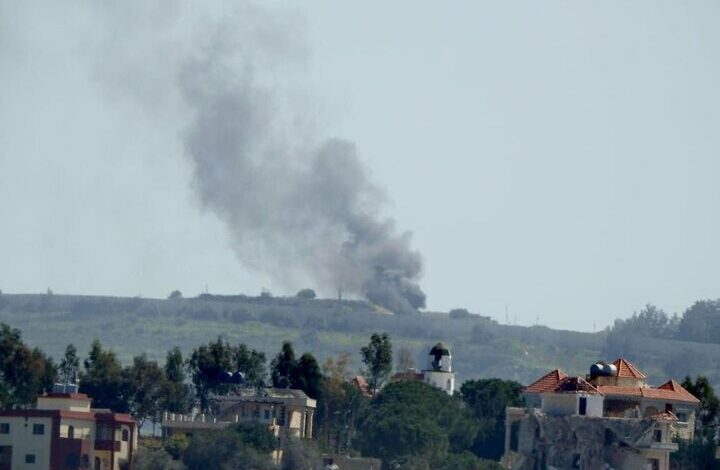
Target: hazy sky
561,158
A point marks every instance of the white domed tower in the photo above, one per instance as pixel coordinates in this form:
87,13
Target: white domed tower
439,372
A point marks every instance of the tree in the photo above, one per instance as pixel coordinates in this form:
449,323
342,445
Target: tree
245,447
208,365
307,376
103,380
459,313
377,357
701,322
307,294
70,365
411,419
252,364
488,398
283,366
145,381
176,394
153,459
175,295
709,404
299,454
339,406
24,372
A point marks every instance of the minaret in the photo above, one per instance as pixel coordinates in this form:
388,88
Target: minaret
439,372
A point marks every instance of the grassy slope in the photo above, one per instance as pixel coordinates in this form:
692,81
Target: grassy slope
481,348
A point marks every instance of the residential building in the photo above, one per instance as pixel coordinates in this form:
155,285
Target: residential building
63,432
288,413
612,416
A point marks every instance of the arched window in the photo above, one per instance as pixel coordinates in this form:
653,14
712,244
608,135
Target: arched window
71,432
98,463
449,384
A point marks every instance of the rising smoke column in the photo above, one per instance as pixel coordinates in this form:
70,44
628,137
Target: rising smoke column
301,208
313,205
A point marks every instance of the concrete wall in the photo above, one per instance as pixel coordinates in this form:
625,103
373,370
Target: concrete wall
442,380
24,442
567,404
66,404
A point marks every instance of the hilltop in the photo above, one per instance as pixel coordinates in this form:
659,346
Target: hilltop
481,347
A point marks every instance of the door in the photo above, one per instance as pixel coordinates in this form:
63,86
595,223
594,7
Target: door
582,406
5,457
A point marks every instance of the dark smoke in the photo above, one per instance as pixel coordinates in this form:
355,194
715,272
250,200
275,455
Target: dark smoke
300,208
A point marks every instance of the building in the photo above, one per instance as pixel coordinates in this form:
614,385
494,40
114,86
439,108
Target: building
288,413
611,417
438,373
64,432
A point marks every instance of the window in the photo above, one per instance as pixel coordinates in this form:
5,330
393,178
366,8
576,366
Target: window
85,461
29,458
654,464
582,406
657,435
668,407
267,415
98,463
71,432
38,429
682,417
4,428
125,435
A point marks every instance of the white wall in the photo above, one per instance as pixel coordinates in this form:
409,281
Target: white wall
23,441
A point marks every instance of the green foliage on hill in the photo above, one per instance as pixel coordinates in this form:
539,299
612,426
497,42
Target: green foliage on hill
329,327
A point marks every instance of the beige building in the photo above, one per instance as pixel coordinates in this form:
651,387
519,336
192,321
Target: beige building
288,413
64,432
610,417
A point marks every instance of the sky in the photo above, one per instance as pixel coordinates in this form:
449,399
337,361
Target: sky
556,159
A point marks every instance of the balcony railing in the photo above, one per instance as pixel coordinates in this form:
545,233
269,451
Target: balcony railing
107,444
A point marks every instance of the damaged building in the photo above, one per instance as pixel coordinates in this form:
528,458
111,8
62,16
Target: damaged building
610,419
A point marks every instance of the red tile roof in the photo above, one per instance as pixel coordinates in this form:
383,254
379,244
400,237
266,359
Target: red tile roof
626,369
546,383
615,390
361,384
670,390
664,416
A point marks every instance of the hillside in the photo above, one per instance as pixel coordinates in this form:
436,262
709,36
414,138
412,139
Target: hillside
481,347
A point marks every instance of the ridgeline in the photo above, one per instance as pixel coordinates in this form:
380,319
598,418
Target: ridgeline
481,347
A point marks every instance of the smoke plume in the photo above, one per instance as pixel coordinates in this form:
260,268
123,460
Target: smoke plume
302,208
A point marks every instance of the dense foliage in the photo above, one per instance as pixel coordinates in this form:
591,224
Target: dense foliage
488,398
411,422
24,372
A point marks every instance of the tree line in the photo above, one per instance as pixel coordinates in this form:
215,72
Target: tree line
700,322
407,424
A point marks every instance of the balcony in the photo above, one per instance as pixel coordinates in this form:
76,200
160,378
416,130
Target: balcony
107,445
